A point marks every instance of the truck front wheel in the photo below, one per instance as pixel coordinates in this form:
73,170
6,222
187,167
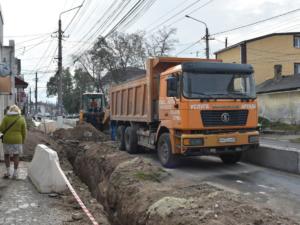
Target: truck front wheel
231,158
164,151
120,137
131,142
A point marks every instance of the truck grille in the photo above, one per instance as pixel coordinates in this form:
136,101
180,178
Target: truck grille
211,118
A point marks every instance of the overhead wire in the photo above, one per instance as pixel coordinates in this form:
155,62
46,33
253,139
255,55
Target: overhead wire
246,25
173,16
256,22
77,11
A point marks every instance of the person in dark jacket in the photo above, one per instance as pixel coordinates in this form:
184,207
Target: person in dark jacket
13,138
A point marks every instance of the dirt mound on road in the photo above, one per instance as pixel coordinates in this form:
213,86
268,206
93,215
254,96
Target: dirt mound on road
82,132
35,137
135,192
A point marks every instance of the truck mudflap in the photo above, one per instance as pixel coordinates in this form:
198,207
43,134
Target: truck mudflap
214,144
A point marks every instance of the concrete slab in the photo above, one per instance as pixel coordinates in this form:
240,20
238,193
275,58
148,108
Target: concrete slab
44,171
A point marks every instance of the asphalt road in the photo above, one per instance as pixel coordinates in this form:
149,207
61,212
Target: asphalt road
267,187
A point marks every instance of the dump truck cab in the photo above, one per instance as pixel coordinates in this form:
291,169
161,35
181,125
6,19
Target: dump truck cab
209,108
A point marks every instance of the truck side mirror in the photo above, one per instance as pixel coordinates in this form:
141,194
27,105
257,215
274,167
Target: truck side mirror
172,86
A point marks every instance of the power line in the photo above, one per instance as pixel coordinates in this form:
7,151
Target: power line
34,46
86,20
243,26
167,13
257,22
26,35
112,17
174,15
74,16
200,7
194,43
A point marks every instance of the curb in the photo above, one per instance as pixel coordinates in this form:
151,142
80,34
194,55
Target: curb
287,159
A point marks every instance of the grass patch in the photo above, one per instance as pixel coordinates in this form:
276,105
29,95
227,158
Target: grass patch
265,123
151,176
296,140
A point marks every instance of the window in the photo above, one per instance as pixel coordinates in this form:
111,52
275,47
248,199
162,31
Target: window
297,41
233,86
297,68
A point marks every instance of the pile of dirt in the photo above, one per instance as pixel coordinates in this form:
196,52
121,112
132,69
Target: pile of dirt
82,132
135,192
35,137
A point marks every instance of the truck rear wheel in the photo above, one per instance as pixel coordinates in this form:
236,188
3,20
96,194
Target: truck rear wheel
164,151
120,137
131,140
231,158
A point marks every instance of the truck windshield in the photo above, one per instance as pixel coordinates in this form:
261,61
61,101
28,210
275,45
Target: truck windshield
196,85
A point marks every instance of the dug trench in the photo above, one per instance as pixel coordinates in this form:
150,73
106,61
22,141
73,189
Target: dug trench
135,192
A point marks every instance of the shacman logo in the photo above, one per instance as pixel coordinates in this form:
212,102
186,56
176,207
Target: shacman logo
225,117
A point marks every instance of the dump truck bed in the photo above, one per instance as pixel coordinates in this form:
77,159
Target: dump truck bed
129,101
137,100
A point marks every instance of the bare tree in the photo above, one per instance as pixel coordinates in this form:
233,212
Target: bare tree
162,42
118,52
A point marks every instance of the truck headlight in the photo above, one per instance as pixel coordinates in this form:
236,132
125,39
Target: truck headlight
193,141
253,139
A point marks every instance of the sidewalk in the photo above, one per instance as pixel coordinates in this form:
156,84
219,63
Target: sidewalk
282,142
20,203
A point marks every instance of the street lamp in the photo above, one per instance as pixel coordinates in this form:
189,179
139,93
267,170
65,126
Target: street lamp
59,61
206,34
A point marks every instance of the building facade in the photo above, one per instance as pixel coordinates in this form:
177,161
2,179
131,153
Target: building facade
279,98
264,52
10,69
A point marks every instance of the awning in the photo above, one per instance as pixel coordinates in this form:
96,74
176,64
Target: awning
19,83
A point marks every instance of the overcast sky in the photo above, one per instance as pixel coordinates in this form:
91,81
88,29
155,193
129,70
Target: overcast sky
31,22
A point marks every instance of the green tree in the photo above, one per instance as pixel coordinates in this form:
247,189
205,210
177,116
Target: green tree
68,90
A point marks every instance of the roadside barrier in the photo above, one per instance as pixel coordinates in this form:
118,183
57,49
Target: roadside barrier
43,171
46,174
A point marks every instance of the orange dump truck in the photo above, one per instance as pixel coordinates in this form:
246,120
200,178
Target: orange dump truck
186,107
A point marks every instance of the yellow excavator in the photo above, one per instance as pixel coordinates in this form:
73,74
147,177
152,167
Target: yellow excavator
92,109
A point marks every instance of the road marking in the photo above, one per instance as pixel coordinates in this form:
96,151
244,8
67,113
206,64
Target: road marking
266,187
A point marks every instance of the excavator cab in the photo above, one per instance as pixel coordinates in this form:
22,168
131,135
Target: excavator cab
93,105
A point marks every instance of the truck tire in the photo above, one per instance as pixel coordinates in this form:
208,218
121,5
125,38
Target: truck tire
164,151
131,140
120,137
231,158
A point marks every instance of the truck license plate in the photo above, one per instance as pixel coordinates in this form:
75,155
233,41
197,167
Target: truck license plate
227,140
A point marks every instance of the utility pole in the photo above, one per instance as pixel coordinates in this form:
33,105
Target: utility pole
207,42
59,64
207,37
36,93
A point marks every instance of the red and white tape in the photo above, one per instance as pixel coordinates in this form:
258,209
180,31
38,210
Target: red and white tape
84,208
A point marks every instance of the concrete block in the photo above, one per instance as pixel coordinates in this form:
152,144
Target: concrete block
44,171
276,158
60,122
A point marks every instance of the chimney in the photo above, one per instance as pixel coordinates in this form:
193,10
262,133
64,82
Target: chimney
277,71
